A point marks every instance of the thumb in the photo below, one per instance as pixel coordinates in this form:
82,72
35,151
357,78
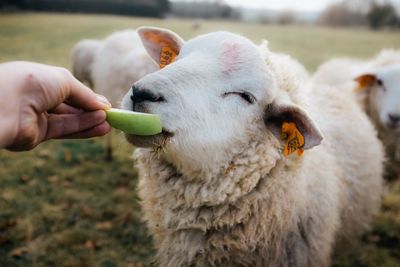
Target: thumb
82,97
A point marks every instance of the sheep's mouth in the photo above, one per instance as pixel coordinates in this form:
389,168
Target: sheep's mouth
392,126
158,140
155,141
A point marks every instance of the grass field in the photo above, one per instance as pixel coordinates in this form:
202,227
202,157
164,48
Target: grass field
62,204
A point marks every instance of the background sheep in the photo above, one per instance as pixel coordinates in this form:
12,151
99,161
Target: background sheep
377,83
344,70
216,188
82,57
118,62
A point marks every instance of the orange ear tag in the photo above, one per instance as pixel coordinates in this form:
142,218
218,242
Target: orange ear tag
167,56
365,81
295,140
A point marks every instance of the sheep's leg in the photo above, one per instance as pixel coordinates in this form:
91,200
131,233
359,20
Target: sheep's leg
109,156
392,172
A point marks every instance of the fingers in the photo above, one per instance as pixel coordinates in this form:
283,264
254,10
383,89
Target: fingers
49,86
98,130
82,97
65,109
60,126
50,103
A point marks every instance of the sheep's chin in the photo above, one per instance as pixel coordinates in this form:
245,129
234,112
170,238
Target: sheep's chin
393,127
158,140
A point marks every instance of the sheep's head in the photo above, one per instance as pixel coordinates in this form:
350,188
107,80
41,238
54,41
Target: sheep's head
215,94
383,89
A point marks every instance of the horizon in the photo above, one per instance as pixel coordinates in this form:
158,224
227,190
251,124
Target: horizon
281,5
300,5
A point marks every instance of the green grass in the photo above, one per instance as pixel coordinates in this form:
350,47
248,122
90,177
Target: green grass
48,38
62,204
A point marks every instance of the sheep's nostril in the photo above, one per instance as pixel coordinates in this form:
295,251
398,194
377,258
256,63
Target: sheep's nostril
394,118
139,96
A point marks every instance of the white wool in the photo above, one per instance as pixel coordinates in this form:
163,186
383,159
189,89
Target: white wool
112,66
82,57
220,192
119,63
379,101
386,57
338,71
343,70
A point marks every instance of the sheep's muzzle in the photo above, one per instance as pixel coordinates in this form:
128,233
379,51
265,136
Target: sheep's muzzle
156,141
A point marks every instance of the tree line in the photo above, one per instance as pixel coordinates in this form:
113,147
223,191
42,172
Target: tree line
374,13
153,8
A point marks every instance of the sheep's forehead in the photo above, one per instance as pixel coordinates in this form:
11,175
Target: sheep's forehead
218,61
220,45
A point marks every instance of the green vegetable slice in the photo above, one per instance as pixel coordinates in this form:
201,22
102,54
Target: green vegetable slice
134,122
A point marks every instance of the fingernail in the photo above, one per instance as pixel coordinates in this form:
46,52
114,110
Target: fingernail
103,100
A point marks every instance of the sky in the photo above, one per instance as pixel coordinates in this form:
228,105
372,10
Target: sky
297,5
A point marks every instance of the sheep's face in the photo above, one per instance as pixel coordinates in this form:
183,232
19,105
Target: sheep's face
383,87
212,97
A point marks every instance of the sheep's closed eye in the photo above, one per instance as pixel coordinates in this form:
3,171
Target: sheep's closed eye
249,98
381,84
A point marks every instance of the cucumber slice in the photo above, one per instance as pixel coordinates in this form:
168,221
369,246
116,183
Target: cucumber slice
135,123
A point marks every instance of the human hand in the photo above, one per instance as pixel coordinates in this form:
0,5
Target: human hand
40,102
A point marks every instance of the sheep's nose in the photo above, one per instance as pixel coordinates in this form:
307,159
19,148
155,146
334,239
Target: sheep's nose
394,119
143,95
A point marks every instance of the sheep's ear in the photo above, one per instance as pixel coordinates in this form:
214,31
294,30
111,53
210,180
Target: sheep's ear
161,44
293,127
365,81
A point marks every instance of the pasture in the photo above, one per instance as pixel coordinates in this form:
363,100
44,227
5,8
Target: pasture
63,205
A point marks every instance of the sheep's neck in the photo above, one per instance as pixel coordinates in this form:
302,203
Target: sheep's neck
178,209
203,203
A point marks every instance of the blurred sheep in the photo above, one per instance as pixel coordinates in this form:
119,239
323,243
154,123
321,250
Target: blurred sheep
112,66
377,84
119,63
82,57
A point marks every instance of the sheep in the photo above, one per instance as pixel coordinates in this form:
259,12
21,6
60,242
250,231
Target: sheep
229,181
377,87
339,71
82,57
118,62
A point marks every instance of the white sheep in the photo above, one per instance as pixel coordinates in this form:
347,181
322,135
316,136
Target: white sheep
118,62
216,186
82,57
377,85
339,71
